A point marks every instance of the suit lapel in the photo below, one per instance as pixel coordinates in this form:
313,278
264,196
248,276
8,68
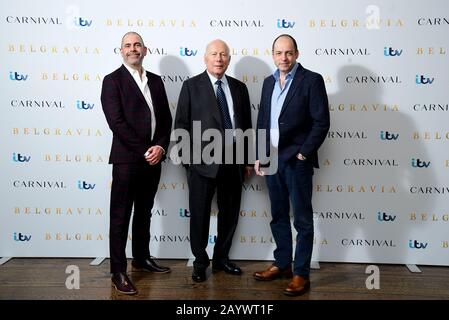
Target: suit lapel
153,93
296,82
236,102
132,84
267,97
211,100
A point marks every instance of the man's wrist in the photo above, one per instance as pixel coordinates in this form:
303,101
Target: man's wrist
148,151
163,151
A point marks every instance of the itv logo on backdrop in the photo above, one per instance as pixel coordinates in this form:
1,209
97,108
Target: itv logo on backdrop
383,216
385,135
15,76
80,22
184,213
21,237
422,79
415,244
17,157
83,185
186,52
82,105
284,24
390,52
418,163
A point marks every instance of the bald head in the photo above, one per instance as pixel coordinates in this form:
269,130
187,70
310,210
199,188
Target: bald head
217,58
219,43
131,33
289,37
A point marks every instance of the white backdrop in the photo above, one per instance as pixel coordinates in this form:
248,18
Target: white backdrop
381,194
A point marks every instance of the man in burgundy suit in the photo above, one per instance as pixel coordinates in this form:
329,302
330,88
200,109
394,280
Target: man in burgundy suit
136,108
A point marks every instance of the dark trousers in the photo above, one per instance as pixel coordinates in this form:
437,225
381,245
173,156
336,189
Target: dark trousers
132,184
293,181
201,191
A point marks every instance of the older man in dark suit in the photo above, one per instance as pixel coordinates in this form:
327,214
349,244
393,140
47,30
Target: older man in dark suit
215,102
136,108
294,112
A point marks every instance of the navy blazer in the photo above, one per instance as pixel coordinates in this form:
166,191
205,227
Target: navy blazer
304,118
129,116
197,102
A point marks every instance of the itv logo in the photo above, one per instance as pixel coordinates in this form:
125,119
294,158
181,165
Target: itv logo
385,135
415,244
418,163
284,24
82,105
383,216
186,52
421,79
390,52
212,239
15,76
184,213
80,22
83,185
21,237
17,157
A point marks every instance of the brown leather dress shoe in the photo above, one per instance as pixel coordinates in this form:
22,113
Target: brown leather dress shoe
272,273
298,286
122,284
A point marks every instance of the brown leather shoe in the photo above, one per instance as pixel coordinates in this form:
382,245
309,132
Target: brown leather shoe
298,286
122,284
272,273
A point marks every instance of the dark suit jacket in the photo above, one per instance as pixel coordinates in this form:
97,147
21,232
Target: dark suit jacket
304,118
129,117
197,102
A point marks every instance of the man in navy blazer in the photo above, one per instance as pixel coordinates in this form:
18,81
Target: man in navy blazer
199,104
135,104
295,114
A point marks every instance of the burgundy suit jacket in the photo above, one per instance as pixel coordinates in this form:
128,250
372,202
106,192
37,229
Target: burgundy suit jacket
129,116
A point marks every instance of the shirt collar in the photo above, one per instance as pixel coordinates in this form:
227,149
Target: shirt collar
212,78
135,73
291,74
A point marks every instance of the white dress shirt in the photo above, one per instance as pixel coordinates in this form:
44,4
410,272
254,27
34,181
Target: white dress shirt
143,86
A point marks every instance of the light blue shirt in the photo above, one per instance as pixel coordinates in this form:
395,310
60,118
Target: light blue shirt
277,101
